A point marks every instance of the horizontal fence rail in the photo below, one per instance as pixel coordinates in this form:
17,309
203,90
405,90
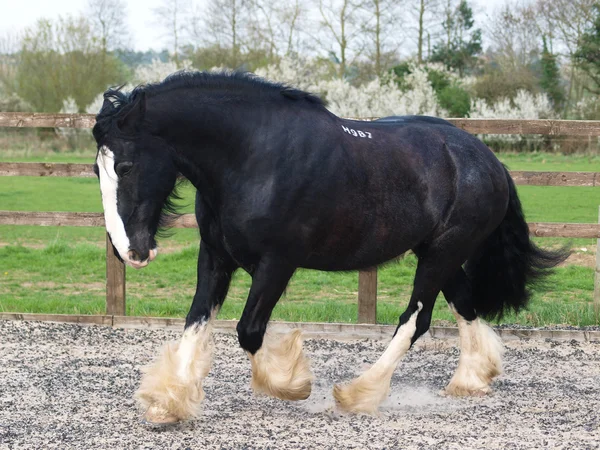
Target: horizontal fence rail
78,219
14,169
548,127
530,178
46,120
367,289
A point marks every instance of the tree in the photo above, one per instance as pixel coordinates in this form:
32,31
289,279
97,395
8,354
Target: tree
569,19
514,37
550,77
463,43
60,59
108,18
341,26
276,24
292,19
512,56
263,26
383,31
9,62
424,13
587,55
170,15
226,22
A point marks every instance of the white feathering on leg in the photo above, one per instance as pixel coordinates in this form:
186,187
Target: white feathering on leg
365,393
280,369
171,388
480,358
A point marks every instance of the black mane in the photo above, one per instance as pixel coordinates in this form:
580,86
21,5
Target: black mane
116,101
245,82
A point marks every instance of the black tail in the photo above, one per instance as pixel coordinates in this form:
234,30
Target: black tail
508,263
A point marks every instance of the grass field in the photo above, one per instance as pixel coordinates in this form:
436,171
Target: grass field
61,269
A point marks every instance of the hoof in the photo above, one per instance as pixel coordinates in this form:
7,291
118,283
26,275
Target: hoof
461,391
158,418
360,396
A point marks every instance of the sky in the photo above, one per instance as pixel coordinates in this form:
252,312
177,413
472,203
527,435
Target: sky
18,14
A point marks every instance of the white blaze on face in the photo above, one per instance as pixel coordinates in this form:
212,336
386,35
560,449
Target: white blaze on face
108,186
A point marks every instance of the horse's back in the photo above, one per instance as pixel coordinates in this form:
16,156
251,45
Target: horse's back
432,137
412,119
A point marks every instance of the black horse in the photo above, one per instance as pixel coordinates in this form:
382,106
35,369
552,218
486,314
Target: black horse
283,183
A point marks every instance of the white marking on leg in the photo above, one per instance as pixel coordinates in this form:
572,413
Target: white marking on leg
171,388
365,393
193,363
480,358
400,343
108,186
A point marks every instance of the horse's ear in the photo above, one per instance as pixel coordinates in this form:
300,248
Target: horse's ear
132,121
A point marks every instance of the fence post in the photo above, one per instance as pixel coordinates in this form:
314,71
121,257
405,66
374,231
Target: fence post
115,282
367,296
597,278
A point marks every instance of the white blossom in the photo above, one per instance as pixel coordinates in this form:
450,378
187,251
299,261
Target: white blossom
302,73
96,105
525,105
157,71
154,72
377,98
70,107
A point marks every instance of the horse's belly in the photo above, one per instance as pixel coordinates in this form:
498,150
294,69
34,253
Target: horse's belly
346,264
370,253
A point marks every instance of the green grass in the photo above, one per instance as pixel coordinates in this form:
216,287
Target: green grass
61,269
64,278
80,157
551,162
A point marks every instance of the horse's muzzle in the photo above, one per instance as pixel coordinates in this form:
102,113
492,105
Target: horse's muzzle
134,260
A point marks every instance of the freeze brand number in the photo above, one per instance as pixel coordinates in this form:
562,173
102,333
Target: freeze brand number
357,133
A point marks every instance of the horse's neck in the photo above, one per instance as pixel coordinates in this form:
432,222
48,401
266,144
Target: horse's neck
207,141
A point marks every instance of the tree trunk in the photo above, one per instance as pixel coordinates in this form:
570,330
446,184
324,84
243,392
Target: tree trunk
377,39
175,38
343,43
234,34
420,43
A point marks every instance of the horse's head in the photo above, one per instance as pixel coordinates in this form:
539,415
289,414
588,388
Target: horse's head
136,173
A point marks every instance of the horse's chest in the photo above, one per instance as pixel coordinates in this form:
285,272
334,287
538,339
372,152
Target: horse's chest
240,252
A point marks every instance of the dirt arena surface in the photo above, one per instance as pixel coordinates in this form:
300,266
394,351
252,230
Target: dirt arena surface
71,386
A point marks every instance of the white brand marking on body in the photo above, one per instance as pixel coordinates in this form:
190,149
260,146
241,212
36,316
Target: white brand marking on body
108,187
357,133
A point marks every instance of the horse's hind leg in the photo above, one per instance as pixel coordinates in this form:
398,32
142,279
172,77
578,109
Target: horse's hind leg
365,393
480,347
171,388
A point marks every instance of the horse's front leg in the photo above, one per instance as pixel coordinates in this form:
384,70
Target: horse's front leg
171,388
279,367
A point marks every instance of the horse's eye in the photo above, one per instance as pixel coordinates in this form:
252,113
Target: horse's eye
123,168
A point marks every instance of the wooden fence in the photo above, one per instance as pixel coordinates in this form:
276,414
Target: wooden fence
367,281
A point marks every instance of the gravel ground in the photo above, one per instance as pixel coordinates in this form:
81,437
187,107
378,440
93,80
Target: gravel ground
71,386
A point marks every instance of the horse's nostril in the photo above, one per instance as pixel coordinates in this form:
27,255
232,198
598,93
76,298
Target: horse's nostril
133,255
